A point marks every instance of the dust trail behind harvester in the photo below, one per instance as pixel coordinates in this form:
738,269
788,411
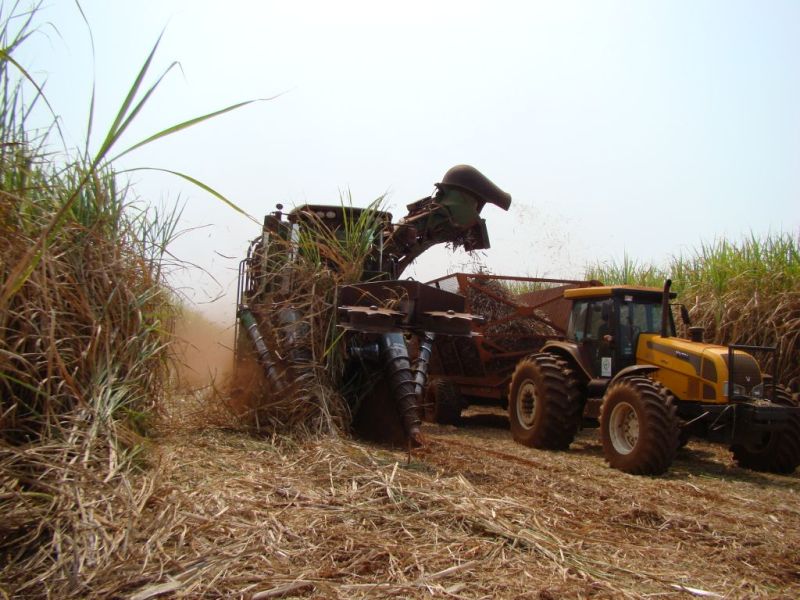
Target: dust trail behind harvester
204,349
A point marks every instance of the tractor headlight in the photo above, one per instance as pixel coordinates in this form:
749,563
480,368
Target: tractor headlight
758,391
738,390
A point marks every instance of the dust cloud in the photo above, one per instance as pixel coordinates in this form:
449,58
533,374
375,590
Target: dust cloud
204,349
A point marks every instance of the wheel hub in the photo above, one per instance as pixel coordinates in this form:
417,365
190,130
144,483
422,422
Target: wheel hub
624,428
526,407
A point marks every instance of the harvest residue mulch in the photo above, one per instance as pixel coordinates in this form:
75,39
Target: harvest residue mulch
473,515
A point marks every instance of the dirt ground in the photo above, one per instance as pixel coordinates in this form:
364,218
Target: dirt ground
472,515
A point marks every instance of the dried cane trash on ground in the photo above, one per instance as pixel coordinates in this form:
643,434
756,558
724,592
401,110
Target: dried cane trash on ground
473,515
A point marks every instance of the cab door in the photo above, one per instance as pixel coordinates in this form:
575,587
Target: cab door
626,333
592,326
600,337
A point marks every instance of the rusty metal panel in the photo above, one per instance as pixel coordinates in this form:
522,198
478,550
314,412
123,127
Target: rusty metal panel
407,304
553,303
516,324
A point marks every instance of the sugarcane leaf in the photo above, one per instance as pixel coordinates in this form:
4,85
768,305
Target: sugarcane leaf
198,183
189,123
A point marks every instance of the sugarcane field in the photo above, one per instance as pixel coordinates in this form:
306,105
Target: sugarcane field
443,300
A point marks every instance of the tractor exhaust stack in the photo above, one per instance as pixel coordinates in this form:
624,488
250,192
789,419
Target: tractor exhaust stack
665,309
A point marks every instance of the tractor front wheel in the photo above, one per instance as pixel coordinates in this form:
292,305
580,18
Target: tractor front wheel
777,451
544,402
638,426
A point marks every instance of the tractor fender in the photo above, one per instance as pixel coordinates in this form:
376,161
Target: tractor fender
634,370
568,351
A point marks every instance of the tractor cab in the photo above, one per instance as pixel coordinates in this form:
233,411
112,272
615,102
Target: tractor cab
606,322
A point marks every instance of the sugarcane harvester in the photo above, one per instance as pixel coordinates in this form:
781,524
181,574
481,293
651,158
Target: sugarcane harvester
376,311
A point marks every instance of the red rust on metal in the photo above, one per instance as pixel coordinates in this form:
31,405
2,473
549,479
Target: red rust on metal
370,318
508,334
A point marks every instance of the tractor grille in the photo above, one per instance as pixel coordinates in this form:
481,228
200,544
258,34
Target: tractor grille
746,371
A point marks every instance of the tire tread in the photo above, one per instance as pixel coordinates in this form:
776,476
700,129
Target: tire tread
659,430
559,394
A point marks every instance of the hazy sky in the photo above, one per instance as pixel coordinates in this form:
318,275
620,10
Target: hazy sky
640,127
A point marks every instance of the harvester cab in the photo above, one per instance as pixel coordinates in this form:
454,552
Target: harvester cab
623,367
365,253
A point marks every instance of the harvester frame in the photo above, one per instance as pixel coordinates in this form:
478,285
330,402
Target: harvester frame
373,309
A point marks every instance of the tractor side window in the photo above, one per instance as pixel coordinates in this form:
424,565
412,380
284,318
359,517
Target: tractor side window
643,318
627,318
577,322
599,320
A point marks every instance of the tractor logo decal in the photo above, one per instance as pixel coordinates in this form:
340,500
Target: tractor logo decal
692,359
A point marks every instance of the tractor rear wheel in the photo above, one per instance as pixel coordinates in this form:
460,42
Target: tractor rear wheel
447,403
638,426
544,402
778,451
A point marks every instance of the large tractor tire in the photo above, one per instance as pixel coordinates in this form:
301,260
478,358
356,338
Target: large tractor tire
544,403
447,403
638,426
776,452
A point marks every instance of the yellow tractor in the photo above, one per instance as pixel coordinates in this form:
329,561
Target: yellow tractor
622,367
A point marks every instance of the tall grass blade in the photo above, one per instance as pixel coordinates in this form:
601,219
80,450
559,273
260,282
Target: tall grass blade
186,124
199,184
114,131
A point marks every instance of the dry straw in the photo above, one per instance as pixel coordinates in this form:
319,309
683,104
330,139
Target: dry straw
85,325
473,516
83,357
